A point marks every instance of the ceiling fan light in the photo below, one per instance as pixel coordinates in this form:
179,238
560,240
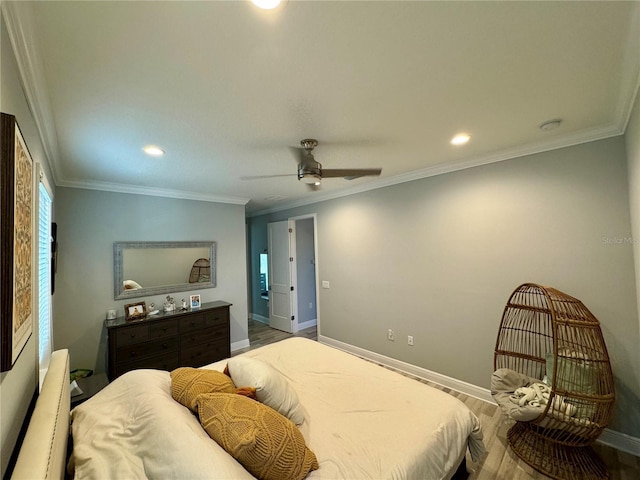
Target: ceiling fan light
309,178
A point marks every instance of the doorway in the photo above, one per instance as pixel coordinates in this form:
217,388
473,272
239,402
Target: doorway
293,277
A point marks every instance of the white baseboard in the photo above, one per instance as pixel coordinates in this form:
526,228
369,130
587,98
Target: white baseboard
259,318
307,324
301,326
620,441
617,440
448,382
240,345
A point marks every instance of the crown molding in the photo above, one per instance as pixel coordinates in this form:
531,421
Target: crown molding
20,29
152,191
17,17
569,140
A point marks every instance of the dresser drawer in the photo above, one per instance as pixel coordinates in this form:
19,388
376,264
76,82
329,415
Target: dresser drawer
167,361
191,323
205,353
219,316
208,335
140,350
167,328
131,335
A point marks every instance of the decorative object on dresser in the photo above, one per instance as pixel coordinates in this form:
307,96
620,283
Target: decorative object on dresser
170,340
16,242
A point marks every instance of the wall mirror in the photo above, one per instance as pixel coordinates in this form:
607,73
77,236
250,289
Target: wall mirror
141,269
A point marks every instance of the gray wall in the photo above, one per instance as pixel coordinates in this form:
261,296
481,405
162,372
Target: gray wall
305,271
90,221
632,139
437,258
18,385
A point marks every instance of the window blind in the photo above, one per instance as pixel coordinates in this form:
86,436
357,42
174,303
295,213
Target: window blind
45,339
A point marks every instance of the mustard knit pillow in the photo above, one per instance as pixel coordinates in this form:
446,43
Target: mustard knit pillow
187,383
267,444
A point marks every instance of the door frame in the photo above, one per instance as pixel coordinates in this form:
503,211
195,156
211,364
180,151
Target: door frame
294,278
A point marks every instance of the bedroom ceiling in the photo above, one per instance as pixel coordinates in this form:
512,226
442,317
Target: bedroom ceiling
225,89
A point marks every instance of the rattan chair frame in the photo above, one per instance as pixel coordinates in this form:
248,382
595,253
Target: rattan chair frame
540,325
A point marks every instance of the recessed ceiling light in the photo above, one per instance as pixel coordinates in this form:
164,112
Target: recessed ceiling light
460,139
550,125
266,4
153,150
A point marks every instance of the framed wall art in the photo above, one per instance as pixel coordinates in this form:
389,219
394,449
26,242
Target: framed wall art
16,242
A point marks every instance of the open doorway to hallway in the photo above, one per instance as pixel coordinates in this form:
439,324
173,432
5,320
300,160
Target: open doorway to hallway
291,284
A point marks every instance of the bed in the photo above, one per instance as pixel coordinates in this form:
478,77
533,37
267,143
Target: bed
360,421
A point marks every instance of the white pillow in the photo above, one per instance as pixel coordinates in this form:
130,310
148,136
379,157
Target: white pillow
272,388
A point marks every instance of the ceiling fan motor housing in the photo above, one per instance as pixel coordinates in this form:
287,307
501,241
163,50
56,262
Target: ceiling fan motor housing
310,173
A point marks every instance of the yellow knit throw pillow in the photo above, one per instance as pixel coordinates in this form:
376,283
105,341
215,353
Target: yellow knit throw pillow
266,443
187,383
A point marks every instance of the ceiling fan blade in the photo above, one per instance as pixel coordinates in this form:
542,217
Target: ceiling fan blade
350,173
258,177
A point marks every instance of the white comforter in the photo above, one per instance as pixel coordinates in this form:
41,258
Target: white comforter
362,422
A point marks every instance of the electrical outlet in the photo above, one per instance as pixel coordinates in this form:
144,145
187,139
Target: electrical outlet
390,335
326,284
310,305
410,340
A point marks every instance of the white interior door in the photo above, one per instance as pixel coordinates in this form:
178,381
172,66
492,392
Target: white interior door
280,269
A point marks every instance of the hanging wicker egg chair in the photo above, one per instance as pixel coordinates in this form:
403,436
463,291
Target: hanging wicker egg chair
200,271
548,335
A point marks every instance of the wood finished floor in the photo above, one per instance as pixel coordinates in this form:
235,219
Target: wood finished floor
500,463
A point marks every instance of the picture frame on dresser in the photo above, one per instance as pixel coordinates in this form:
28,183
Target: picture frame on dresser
194,301
135,311
16,242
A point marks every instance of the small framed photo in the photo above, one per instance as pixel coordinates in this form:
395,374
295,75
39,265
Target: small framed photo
135,311
194,301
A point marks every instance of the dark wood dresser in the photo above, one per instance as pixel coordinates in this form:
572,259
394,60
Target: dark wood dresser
169,340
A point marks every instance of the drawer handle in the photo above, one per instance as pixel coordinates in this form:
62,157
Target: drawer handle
164,345
133,335
132,354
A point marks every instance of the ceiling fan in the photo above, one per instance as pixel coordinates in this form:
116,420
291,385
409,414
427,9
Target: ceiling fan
311,172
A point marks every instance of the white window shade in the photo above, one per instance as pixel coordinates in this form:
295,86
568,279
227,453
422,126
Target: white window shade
45,340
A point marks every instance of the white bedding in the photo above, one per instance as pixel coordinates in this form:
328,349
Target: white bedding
361,420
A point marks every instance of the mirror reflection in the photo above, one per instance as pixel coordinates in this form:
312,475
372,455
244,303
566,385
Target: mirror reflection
264,276
150,268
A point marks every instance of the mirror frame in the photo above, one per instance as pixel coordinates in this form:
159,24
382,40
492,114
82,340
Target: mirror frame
120,293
